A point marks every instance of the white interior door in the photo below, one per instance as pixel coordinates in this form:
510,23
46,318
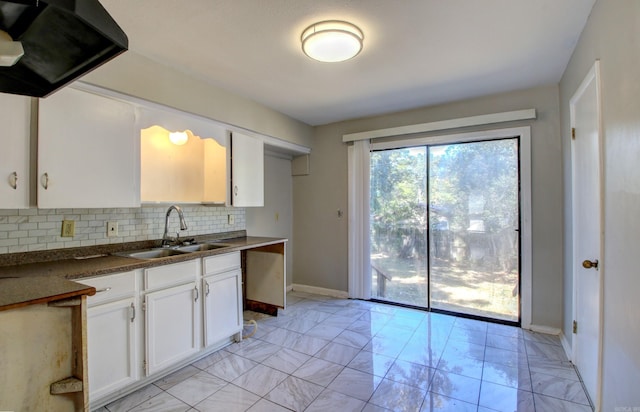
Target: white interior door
587,231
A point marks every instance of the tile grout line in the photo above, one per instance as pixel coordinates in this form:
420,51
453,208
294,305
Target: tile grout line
526,351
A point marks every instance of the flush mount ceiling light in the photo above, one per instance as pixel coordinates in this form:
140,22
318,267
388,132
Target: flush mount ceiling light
332,41
178,138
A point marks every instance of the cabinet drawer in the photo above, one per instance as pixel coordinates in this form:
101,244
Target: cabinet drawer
111,287
221,263
169,275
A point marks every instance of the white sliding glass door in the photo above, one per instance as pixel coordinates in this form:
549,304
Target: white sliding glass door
444,227
398,226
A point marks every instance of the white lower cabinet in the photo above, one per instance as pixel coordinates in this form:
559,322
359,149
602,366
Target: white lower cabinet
112,333
171,322
222,306
172,314
156,317
222,287
112,347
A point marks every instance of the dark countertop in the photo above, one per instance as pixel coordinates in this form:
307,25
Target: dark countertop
22,273
18,292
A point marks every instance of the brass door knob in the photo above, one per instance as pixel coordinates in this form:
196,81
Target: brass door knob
588,264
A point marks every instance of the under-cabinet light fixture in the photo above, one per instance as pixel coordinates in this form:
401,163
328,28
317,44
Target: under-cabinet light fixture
178,138
332,41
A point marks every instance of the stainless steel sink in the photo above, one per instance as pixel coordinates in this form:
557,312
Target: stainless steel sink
152,253
202,247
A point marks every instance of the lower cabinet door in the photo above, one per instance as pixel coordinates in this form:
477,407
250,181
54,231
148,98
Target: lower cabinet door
222,306
111,343
171,326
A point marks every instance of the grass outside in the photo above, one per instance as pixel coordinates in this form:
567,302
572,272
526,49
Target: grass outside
455,286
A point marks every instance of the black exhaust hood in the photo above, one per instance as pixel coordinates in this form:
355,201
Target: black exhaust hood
62,40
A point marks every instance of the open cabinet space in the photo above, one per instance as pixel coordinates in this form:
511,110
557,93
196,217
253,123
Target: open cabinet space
192,172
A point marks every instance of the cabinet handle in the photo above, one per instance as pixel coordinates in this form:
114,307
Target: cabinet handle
206,285
235,190
45,181
103,290
14,180
133,312
197,294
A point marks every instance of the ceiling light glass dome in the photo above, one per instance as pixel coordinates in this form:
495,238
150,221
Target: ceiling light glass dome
332,41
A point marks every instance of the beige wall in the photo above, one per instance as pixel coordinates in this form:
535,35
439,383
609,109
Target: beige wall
141,77
321,236
612,34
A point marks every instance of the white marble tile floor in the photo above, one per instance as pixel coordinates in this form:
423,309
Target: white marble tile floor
326,354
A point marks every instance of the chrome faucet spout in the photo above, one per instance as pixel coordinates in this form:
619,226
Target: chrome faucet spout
166,240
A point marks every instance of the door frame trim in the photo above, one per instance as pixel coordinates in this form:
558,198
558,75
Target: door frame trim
592,75
524,134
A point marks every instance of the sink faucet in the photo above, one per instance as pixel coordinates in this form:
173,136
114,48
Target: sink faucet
166,239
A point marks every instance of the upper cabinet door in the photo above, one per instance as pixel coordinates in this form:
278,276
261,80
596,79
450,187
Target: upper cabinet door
88,152
247,171
14,156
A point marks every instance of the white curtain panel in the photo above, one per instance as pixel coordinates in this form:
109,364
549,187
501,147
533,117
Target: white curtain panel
359,247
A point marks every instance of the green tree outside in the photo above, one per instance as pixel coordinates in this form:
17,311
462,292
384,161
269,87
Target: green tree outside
472,193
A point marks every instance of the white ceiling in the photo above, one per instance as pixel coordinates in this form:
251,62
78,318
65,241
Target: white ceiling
416,52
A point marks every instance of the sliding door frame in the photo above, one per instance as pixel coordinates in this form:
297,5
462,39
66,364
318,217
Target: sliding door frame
524,136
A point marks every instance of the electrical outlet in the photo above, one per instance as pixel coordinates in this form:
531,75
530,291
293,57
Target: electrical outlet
68,228
112,229
231,219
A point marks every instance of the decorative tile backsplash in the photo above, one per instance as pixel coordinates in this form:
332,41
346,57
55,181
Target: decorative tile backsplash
25,230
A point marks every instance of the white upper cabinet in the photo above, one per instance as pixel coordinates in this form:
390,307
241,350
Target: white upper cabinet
14,156
88,151
247,170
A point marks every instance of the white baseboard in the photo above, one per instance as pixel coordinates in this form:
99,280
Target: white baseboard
289,288
568,349
320,291
544,329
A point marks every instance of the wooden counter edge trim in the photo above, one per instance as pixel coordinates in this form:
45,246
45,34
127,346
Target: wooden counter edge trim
79,291
271,248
